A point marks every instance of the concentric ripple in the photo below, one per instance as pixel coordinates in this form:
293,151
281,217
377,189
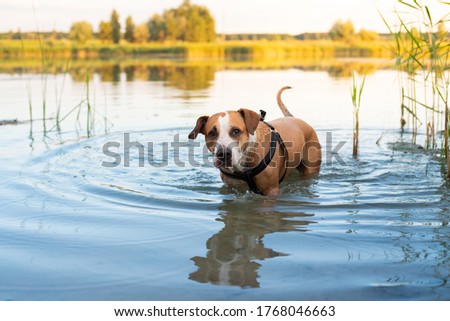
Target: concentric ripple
159,224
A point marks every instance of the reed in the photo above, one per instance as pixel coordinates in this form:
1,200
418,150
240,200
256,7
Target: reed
356,93
43,67
59,98
422,59
44,90
44,72
90,111
29,97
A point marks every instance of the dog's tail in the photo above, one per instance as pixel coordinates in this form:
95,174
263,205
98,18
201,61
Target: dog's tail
283,108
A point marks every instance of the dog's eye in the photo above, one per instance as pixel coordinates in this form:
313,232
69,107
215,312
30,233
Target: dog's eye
212,134
235,131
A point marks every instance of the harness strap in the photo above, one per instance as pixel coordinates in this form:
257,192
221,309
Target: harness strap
249,175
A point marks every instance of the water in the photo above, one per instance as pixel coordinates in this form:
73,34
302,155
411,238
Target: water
372,228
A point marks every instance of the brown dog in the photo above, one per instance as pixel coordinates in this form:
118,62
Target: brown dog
249,151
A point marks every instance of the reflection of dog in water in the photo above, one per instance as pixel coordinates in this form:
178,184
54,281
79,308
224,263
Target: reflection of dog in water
232,252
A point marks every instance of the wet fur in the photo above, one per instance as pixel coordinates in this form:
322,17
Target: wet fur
300,139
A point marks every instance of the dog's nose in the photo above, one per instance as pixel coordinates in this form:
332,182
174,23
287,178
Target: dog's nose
224,154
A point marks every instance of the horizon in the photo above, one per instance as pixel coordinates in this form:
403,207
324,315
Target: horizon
291,17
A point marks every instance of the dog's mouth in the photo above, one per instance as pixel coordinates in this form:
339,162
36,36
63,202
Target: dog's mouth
222,163
223,157
226,161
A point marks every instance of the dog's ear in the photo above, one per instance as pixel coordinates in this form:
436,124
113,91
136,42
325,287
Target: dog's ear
199,127
251,119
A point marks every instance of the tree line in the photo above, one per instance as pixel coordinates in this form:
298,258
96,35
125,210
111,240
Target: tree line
194,24
188,22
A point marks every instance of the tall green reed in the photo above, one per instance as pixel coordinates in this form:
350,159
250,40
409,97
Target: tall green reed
46,63
422,59
59,97
29,96
356,93
90,120
44,71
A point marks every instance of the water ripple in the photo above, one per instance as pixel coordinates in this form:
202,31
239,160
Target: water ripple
387,206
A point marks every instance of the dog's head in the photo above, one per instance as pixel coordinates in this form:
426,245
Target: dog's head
228,135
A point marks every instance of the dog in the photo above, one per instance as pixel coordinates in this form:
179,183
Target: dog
248,150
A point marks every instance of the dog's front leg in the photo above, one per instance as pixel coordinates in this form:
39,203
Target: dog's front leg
267,182
271,191
274,192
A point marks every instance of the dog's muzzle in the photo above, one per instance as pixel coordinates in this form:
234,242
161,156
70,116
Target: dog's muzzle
223,157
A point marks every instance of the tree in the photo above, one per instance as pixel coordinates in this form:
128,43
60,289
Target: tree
195,30
141,33
129,30
17,35
80,31
413,36
157,28
441,30
367,35
115,25
188,22
200,24
105,31
342,31
171,24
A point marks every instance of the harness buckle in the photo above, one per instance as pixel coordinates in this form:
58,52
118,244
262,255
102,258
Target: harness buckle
262,114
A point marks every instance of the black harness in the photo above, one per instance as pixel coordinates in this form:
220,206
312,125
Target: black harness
249,175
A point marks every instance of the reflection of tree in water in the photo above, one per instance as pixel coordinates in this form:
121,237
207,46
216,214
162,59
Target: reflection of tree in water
181,77
80,74
109,73
347,69
157,73
188,75
232,252
184,77
130,73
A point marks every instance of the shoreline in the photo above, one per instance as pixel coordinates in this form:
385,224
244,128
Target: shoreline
220,50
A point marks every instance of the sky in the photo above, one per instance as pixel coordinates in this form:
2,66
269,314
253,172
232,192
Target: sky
232,16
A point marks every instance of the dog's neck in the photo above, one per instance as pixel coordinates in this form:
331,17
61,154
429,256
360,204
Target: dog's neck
256,149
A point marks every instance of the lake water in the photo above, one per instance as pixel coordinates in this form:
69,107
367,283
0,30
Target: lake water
371,228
